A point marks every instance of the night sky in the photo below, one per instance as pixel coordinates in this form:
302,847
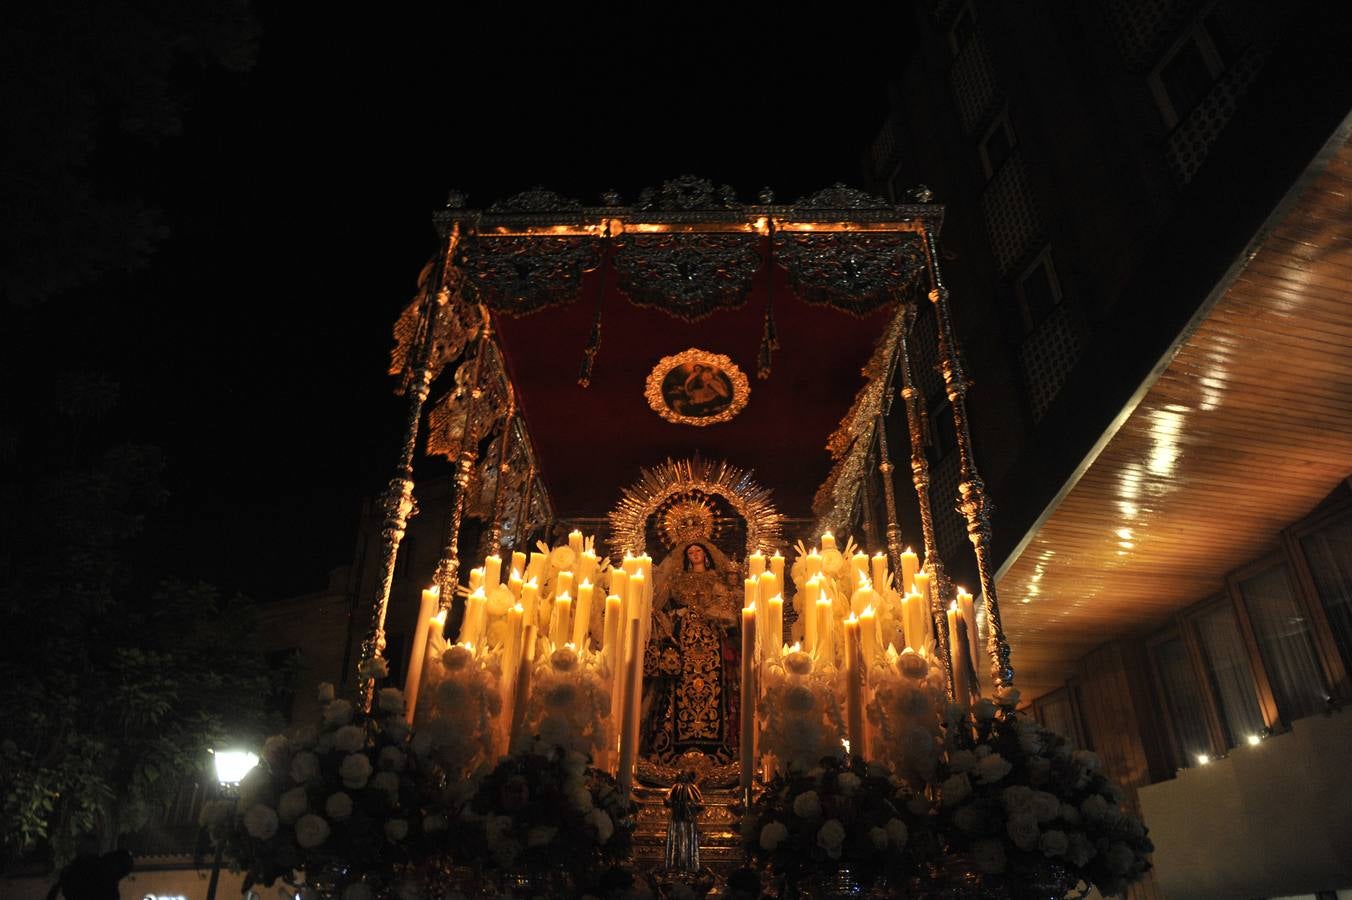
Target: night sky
253,346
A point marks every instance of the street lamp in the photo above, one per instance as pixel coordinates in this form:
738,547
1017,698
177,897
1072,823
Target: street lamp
231,767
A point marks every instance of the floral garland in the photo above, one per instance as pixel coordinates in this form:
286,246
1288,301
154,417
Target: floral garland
544,810
346,802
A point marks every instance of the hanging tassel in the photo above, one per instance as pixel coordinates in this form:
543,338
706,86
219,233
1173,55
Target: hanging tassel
592,348
769,344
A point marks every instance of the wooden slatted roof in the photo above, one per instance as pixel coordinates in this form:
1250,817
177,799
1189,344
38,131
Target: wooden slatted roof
1245,429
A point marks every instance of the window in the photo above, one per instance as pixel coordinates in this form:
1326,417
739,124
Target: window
943,433
1328,553
1039,291
1226,660
1181,694
1187,71
1284,639
997,145
964,26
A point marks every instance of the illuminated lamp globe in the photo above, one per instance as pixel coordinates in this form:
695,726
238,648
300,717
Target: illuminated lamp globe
233,765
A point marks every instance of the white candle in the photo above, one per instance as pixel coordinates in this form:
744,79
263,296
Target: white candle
773,641
563,583
575,541
755,564
561,621
476,611
910,564
957,654
614,653
514,583
582,618
859,568
476,579
619,586
536,569
814,563
868,638
826,651
751,590
492,572
967,609
521,689
777,569
518,561
530,599
878,571
748,707
807,611
854,689
511,656
428,607
629,708
828,541
767,587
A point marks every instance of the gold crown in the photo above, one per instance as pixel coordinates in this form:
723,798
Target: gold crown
688,519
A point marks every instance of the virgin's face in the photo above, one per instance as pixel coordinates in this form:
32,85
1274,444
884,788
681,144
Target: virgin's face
695,553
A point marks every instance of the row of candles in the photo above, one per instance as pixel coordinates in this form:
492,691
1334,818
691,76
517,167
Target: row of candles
625,623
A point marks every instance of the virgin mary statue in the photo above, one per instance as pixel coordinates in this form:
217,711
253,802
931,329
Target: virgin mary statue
692,667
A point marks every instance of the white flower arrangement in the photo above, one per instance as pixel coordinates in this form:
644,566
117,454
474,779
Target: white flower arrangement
905,714
569,703
803,719
459,712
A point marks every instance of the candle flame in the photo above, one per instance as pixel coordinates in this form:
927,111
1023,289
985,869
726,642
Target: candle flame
519,609
436,589
852,620
534,582
515,574
440,618
777,598
564,596
479,592
868,610
585,583
953,607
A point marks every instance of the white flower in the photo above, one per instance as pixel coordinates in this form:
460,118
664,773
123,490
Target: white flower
326,692
1023,830
879,838
896,832
772,835
830,837
960,761
849,783
798,663
983,710
1081,850
275,748
1069,814
989,856
387,782
1053,843
392,759
311,830
355,770
799,699
374,668
912,664
918,805
563,659
562,557
349,739
1017,798
257,787
992,768
456,658
1039,769
422,743
358,890
832,561
600,820
260,821
968,818
562,696
396,728
339,712
955,790
390,700
338,806
1030,742
1095,808
540,835
304,766
1087,760
434,823
580,798
1119,858
574,764
1009,696
807,805
1045,806
293,805
396,830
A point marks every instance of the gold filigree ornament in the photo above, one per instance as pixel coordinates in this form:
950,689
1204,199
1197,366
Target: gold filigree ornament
688,482
697,387
688,519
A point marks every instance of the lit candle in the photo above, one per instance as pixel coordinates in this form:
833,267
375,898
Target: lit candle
751,590
777,568
492,572
428,607
563,583
614,653
518,561
863,596
854,688
967,608
586,566
962,690
828,541
878,571
633,662
582,620
511,654
637,586
923,588
536,569
530,599
868,638
514,583
807,611
476,579
619,586
562,620
910,564
747,711
521,689
773,640
630,563
575,541
859,568
755,564
814,563
767,587
826,651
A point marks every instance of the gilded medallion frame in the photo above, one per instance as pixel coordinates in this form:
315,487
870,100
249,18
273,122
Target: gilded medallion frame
669,394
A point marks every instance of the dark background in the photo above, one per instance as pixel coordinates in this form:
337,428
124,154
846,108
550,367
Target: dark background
296,201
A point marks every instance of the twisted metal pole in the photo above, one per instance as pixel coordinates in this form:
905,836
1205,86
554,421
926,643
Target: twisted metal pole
448,567
975,505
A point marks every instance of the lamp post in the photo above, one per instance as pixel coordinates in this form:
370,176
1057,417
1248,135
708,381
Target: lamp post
231,766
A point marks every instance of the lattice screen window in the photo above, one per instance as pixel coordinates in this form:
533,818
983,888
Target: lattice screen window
950,531
925,357
1191,141
1013,220
1047,356
972,80
1142,28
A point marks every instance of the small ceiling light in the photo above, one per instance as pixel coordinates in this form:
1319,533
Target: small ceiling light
1254,740
1203,759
